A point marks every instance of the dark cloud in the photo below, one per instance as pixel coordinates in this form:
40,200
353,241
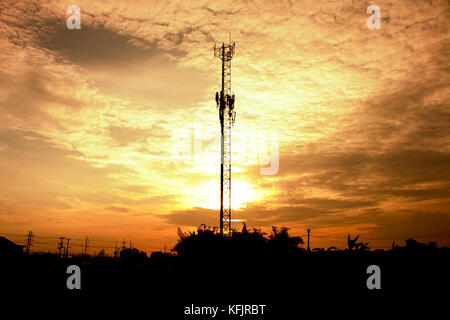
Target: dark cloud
331,204
45,166
259,215
193,217
418,224
95,44
253,216
97,47
393,225
27,97
108,55
412,174
394,145
118,209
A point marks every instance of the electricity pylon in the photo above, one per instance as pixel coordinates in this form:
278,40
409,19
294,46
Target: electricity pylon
29,241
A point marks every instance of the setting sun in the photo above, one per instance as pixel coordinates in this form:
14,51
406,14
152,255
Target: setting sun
241,193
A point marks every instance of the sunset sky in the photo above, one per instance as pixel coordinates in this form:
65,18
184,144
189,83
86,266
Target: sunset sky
111,131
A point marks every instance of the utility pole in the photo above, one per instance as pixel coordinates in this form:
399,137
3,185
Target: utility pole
227,115
61,245
67,248
123,244
115,251
29,241
85,245
309,249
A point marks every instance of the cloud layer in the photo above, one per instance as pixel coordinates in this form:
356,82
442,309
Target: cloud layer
92,118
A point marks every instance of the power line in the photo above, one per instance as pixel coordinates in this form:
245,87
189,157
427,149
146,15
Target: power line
45,242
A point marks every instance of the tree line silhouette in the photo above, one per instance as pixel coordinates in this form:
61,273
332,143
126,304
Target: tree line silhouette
205,265
207,242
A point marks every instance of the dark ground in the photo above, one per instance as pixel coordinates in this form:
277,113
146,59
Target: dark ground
286,286
249,269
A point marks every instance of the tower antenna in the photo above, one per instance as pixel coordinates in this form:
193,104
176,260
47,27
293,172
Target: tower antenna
225,104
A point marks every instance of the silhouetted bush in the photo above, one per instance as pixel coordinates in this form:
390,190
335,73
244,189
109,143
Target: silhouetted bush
248,247
358,246
280,241
133,256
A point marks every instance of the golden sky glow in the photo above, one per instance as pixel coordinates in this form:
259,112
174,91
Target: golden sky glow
112,130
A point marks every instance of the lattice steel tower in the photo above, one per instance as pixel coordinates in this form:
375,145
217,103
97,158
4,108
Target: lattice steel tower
227,115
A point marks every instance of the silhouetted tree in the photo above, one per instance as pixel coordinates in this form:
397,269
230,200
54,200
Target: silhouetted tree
359,246
197,243
412,244
281,242
432,245
101,254
133,256
394,245
255,235
351,243
207,242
